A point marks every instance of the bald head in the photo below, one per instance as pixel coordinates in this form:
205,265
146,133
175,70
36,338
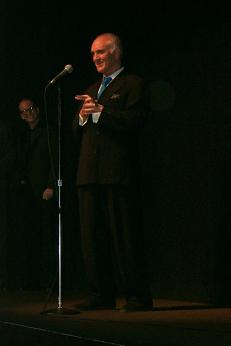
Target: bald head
106,52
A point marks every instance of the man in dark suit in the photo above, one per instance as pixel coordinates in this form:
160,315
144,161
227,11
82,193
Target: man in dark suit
107,124
34,184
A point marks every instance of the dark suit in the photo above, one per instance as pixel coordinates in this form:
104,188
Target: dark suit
36,218
108,190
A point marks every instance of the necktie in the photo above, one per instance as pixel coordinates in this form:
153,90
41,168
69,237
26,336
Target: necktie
105,82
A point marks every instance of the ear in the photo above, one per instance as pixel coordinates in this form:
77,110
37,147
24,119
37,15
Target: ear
117,54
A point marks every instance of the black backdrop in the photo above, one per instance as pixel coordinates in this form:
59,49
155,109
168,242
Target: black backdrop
185,53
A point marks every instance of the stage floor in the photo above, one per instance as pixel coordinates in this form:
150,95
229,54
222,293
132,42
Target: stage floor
30,318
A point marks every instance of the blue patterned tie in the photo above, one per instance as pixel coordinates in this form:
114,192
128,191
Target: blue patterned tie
105,82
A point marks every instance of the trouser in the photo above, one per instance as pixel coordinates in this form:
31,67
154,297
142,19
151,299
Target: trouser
112,240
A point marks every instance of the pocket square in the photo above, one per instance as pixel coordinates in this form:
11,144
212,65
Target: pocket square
115,96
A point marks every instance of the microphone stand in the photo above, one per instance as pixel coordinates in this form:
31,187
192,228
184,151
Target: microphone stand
59,309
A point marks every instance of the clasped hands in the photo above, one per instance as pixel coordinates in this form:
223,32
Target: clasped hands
89,105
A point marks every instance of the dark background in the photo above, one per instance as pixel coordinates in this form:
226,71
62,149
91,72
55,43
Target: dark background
184,51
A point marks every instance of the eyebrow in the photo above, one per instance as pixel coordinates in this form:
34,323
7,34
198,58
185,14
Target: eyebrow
24,109
98,51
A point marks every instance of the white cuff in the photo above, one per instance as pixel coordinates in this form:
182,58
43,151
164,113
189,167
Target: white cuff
95,117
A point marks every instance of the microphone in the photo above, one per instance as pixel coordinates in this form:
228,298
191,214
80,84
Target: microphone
67,69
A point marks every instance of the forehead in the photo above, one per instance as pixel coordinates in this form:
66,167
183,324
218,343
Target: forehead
25,104
101,43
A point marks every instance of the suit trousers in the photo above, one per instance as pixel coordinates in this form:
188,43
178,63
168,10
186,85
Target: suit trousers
112,241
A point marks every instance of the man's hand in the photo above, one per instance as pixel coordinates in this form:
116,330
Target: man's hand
89,105
48,193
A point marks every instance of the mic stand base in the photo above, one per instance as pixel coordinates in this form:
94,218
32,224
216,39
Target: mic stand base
60,311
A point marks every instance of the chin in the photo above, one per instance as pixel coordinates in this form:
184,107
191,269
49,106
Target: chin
100,68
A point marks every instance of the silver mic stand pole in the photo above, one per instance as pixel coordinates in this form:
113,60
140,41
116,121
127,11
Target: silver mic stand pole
60,309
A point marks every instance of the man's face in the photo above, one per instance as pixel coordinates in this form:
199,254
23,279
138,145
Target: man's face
28,111
105,55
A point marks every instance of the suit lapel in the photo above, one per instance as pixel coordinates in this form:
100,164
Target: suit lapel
112,88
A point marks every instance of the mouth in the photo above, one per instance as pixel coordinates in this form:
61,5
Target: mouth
29,117
99,63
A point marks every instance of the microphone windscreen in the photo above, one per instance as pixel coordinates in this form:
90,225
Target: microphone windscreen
69,68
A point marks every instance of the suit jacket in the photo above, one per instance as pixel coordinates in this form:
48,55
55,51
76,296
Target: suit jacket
34,161
109,151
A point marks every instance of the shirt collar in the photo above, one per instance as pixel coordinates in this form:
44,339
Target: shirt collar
115,74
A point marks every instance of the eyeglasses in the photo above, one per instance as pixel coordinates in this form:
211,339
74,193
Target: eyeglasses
27,110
